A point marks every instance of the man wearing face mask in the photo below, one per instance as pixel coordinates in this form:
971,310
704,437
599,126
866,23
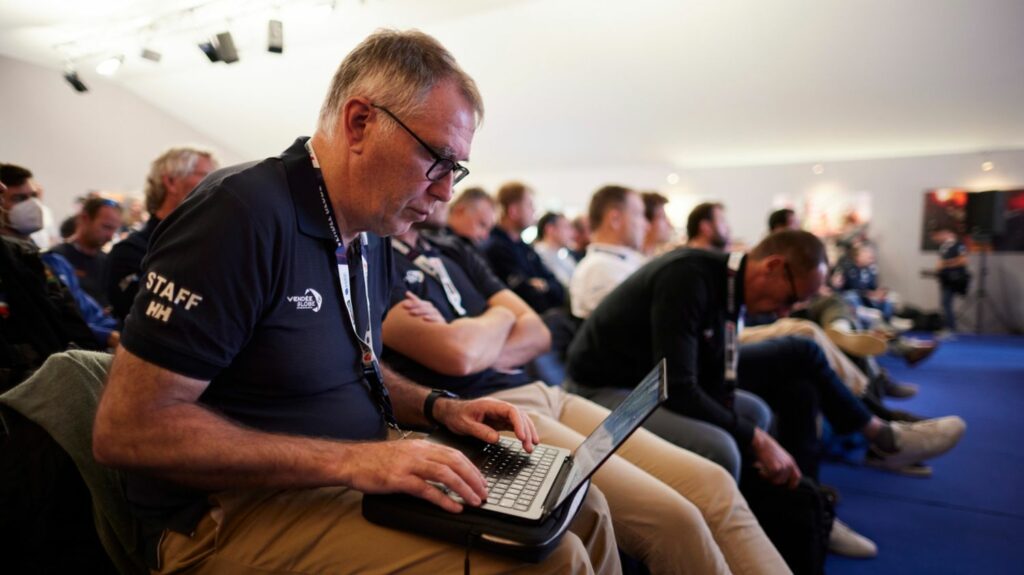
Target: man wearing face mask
172,176
38,315
23,217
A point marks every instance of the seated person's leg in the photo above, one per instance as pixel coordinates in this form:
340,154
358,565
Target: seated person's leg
753,408
707,486
704,439
675,539
323,531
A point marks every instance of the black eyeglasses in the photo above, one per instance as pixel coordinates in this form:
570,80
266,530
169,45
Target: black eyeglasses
442,166
793,297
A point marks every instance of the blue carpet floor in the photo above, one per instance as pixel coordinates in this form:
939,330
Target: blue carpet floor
969,517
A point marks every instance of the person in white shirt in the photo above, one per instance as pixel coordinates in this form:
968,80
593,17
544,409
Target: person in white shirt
618,227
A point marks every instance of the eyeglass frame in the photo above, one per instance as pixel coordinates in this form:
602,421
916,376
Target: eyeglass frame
794,298
458,171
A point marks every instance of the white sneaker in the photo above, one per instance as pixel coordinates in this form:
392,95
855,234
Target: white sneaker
923,440
901,323
846,542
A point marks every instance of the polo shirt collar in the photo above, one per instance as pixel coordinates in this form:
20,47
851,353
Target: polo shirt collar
302,182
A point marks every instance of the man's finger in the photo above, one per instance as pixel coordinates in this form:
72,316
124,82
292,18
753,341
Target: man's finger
448,477
424,490
460,464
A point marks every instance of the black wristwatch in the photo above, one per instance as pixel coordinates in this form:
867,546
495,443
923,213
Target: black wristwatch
432,397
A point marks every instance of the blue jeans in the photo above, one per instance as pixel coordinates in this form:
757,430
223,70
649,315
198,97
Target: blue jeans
793,376
947,307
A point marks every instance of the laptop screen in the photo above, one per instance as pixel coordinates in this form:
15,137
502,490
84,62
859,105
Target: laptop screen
616,428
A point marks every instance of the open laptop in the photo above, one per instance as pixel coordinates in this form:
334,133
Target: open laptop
530,486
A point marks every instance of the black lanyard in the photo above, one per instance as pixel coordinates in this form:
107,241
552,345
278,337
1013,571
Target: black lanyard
434,267
734,321
371,367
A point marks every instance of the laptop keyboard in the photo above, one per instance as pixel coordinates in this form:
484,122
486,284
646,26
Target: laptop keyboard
514,476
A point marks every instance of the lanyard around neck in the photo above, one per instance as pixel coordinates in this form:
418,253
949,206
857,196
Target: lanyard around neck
734,321
434,267
371,366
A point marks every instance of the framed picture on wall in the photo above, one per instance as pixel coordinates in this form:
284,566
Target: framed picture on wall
943,207
1012,237
990,220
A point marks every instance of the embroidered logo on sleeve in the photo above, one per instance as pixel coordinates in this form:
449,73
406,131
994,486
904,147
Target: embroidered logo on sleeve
168,297
310,300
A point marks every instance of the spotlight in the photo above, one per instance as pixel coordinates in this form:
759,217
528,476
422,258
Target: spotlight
226,48
210,50
151,55
275,36
110,66
672,178
72,77
818,169
987,166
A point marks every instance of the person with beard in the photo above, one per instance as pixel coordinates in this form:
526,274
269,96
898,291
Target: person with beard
706,227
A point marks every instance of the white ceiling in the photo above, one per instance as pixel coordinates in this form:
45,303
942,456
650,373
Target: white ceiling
571,84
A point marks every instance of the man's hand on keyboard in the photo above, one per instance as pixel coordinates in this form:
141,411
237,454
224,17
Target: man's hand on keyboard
484,418
415,466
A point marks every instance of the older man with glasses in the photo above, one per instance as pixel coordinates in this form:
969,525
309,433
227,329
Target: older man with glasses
247,403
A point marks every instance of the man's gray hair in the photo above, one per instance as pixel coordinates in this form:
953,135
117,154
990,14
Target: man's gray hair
396,70
175,162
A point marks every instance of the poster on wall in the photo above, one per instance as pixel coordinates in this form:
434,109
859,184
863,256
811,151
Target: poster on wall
943,208
948,207
1012,238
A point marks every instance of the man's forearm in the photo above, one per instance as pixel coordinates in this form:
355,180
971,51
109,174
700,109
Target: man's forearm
529,338
148,421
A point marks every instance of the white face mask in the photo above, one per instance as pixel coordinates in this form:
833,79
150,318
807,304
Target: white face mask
27,216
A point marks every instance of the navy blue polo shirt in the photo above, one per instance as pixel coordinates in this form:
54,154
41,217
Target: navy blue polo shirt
241,288
516,263
476,284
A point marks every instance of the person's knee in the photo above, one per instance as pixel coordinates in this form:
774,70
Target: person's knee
722,449
569,557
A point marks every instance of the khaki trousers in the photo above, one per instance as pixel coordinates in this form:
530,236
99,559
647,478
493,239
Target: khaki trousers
674,510
323,531
848,372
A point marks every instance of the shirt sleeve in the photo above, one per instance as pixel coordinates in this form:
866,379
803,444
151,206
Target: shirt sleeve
122,277
477,269
676,309
207,271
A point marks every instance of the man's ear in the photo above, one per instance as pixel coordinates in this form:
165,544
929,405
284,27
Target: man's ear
773,263
167,181
354,121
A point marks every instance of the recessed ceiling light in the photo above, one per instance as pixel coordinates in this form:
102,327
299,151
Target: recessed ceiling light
987,166
818,169
110,66
672,179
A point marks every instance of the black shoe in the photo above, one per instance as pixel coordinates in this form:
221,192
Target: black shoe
905,416
899,390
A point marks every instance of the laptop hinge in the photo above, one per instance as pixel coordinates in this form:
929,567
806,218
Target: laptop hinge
555,493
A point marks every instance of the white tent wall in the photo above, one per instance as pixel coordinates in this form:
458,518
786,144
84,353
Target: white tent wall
895,186
101,140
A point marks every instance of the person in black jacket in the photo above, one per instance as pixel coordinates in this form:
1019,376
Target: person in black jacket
688,305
